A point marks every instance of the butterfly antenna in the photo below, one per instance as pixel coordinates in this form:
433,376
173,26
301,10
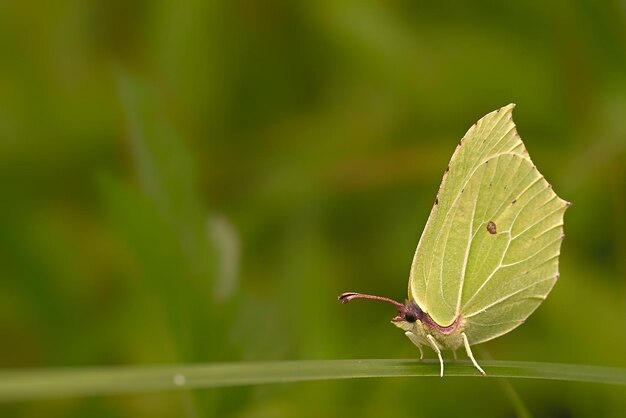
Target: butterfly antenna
348,296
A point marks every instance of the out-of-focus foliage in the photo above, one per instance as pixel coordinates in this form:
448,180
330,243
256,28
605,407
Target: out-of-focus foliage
197,181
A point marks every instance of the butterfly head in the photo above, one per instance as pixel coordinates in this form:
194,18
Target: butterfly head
410,313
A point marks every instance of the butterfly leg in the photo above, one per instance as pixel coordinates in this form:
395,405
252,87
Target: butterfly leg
454,354
470,355
415,341
435,347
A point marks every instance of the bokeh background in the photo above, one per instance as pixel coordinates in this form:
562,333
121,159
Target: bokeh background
197,181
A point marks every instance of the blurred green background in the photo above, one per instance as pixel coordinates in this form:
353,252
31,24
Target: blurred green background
197,182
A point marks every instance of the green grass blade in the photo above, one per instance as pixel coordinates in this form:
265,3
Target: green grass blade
16,385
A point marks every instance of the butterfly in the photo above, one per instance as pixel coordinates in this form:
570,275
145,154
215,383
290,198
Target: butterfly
489,253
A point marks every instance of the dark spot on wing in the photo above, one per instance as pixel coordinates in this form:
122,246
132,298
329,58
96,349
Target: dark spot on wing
491,227
447,169
514,201
436,201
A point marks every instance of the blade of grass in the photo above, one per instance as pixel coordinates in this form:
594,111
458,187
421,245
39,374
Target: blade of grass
519,406
516,400
17,385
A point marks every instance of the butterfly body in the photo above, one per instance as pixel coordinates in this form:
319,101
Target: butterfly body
448,338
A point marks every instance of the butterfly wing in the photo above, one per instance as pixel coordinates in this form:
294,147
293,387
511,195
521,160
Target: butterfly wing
489,251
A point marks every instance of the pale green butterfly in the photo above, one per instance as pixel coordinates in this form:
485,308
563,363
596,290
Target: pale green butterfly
489,253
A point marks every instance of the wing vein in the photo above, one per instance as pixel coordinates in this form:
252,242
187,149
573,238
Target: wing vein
533,255
537,223
510,295
467,252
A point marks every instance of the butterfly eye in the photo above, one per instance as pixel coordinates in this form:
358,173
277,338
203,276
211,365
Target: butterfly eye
410,317
411,312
